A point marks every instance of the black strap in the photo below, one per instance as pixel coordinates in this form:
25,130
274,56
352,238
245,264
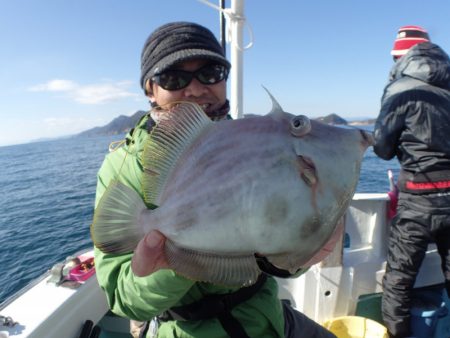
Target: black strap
217,306
231,325
89,330
144,329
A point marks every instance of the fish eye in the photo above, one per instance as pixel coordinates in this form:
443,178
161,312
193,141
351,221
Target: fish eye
300,125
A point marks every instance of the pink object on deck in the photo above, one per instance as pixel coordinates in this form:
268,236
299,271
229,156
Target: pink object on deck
84,270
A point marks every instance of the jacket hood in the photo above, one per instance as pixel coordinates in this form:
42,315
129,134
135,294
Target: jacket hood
426,62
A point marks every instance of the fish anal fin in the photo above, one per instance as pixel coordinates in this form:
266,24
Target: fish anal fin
178,129
226,270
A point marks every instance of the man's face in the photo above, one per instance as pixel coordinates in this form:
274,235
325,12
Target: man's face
210,97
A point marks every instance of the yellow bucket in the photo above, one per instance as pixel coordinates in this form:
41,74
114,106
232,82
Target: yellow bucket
356,327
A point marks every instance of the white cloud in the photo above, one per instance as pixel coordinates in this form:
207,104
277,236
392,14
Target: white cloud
101,93
55,86
97,93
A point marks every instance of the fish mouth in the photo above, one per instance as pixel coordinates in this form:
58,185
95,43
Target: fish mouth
307,170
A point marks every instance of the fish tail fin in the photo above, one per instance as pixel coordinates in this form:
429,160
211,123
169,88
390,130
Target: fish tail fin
116,227
228,270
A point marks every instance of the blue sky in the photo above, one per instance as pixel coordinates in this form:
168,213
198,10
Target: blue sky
66,66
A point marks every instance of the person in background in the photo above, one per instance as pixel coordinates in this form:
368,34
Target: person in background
183,61
414,125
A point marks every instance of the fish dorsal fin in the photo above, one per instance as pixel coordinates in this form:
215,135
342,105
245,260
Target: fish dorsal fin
178,128
276,108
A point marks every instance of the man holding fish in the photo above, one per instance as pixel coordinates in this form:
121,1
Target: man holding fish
192,216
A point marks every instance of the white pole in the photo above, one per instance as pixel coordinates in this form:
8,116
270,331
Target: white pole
236,56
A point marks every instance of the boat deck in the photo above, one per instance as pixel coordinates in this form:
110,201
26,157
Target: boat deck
42,310
328,290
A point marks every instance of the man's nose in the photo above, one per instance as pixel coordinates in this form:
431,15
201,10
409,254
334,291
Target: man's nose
195,88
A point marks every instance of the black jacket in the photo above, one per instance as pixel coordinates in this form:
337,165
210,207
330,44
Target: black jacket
414,120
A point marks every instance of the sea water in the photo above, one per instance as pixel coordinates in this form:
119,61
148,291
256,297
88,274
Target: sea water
47,198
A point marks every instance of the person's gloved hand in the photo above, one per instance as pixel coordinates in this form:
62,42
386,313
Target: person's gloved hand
149,255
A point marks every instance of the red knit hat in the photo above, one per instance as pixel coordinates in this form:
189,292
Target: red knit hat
407,37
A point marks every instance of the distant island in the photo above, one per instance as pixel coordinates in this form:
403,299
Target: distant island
335,119
120,125
123,124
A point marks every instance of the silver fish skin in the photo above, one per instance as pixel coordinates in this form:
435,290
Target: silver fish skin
273,185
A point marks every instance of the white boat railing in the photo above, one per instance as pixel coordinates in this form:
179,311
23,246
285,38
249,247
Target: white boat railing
355,268
328,290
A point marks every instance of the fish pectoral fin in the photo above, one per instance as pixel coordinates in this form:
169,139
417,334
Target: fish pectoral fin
226,270
115,228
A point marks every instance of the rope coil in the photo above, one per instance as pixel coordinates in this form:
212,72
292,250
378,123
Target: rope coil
7,321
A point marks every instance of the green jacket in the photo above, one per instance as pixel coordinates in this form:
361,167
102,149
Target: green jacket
142,298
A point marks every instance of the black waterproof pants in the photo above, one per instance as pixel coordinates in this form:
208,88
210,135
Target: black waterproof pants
296,324
420,220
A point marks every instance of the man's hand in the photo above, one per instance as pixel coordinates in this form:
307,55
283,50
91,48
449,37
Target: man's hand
149,255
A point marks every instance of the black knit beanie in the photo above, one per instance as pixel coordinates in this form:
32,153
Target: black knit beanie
177,42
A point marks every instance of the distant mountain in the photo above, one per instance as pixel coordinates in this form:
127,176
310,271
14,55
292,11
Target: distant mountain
332,119
362,122
123,124
120,125
335,119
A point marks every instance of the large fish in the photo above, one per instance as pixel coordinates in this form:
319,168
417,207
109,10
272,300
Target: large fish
270,186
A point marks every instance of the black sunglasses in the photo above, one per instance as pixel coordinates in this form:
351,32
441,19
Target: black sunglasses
175,79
